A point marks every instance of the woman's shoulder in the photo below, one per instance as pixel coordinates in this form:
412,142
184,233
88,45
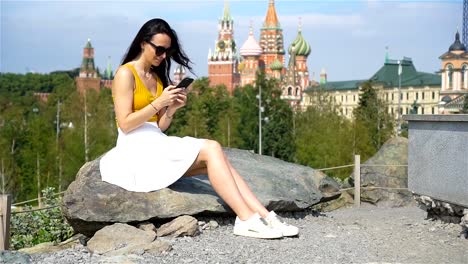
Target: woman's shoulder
124,71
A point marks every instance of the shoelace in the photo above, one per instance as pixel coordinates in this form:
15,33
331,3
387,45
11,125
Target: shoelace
280,220
264,221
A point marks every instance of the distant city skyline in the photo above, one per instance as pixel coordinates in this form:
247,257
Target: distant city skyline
348,38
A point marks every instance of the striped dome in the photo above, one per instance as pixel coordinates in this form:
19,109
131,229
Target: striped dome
251,47
276,65
300,46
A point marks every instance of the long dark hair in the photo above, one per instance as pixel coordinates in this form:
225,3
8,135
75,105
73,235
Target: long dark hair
146,32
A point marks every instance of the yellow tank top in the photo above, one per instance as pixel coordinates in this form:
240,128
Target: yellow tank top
141,95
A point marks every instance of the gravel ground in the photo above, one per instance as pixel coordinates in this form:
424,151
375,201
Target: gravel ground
365,235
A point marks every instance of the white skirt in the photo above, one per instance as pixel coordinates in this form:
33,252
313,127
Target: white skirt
146,159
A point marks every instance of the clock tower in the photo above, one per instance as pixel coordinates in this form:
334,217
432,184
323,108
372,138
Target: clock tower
223,61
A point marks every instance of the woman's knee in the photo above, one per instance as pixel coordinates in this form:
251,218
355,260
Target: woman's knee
211,147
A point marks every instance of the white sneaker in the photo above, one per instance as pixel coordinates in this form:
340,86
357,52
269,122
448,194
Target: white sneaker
256,227
276,222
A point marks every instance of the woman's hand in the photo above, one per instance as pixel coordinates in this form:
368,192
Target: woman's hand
180,100
169,96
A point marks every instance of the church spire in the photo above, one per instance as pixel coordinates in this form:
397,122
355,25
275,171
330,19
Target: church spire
108,74
271,19
226,13
271,39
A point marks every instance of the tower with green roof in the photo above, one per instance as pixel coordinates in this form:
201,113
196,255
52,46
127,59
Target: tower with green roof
276,67
224,60
108,75
87,64
296,78
88,77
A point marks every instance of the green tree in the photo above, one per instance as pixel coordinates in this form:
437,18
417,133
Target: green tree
246,105
227,132
373,125
324,138
278,136
36,141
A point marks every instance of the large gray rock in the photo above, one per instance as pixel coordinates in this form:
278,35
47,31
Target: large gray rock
90,204
392,177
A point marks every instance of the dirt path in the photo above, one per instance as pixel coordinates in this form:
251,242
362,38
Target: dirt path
365,235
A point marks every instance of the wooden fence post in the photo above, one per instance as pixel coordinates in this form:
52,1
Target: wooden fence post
5,213
357,181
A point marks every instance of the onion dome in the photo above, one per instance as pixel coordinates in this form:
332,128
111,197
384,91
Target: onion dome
300,45
457,45
251,47
276,65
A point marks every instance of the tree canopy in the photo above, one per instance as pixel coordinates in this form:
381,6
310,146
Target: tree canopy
43,144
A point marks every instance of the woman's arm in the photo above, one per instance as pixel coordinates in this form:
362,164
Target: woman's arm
165,118
166,115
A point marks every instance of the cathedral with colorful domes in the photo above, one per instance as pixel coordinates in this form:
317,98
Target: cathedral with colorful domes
232,67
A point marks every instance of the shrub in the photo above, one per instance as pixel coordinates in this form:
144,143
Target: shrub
48,225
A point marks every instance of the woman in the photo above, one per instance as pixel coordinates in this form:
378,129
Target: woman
145,159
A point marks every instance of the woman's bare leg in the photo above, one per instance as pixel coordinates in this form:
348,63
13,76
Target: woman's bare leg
212,157
252,202
246,192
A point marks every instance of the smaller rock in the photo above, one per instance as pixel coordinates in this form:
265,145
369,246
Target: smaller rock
213,224
158,247
147,226
181,226
118,236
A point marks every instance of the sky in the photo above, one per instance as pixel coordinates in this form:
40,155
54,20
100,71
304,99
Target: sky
348,38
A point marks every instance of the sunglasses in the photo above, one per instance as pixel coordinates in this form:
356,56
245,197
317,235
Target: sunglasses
160,50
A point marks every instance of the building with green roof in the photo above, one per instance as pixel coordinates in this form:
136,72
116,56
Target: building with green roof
416,87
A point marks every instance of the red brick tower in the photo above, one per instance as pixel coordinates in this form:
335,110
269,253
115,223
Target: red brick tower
223,61
88,78
271,39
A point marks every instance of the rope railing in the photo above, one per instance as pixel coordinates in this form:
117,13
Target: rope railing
337,167
34,210
373,187
32,200
383,165
357,178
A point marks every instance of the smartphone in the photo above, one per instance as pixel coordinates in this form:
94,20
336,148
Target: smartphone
185,83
